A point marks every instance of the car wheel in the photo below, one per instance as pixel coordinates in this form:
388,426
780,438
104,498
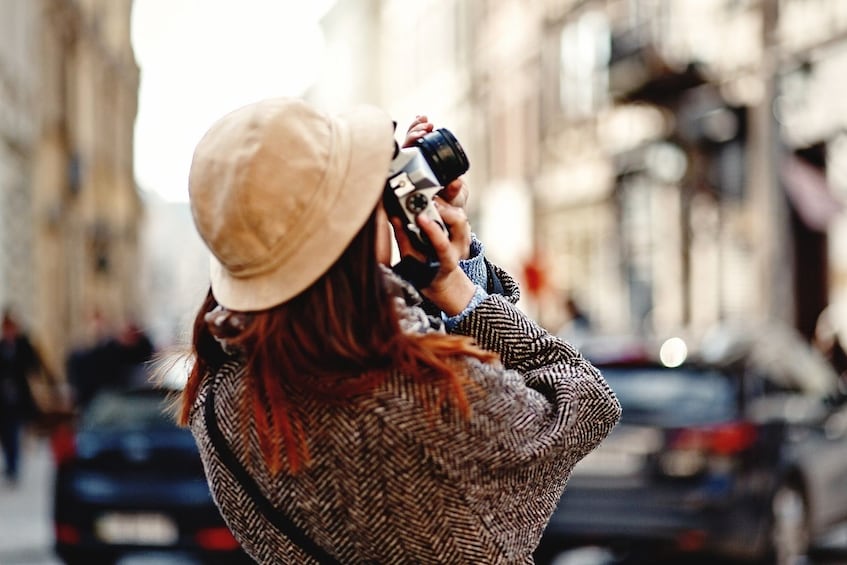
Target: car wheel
789,526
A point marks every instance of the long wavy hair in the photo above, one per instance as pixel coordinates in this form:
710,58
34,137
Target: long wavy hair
339,338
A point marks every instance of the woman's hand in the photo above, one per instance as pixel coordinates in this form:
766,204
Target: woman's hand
417,129
451,290
457,223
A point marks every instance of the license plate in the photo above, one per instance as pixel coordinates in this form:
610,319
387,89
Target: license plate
623,454
137,529
607,463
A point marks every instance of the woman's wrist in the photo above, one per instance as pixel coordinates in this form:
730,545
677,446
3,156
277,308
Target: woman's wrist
452,293
452,321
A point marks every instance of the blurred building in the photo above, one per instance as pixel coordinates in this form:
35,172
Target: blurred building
665,163
69,208
176,277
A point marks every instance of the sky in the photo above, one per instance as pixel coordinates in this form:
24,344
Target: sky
202,58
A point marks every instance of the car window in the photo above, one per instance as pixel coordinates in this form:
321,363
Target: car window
789,365
672,397
145,409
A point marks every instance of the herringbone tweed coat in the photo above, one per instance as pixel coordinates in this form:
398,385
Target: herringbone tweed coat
389,482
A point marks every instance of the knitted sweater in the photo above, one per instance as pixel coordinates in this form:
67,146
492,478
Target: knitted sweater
389,482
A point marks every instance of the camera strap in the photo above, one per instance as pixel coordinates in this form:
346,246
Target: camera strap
417,272
271,513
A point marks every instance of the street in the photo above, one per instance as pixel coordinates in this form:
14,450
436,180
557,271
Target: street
25,530
26,536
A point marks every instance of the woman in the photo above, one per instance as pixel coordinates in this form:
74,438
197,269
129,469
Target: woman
337,421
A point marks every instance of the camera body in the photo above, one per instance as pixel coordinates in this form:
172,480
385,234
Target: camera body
416,174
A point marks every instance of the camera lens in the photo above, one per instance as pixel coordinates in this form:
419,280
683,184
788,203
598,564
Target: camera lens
444,155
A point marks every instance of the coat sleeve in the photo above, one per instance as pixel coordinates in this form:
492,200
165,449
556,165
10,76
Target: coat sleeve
532,418
545,401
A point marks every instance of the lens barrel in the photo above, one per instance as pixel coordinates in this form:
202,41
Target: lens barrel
444,154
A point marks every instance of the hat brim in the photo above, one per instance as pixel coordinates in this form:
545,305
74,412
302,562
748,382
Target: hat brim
371,146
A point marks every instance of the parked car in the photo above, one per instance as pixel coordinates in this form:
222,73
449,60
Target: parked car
735,447
129,481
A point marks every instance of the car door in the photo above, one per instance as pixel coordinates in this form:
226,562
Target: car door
817,436
828,459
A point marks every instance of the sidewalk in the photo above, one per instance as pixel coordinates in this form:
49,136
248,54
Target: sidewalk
26,534
26,528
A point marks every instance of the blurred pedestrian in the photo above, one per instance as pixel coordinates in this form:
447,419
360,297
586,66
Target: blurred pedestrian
127,353
113,361
335,418
85,365
577,323
18,360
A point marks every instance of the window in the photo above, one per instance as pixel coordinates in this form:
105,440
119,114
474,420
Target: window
584,50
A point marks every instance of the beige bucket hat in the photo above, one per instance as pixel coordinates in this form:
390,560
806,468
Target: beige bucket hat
278,190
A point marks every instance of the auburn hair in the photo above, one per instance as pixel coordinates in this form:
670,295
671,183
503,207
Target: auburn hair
339,338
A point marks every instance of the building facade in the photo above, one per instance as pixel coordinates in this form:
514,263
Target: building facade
70,208
19,82
717,186
666,163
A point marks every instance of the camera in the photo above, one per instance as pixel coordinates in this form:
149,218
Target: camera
416,174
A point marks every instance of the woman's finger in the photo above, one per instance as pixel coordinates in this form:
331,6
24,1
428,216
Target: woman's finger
420,122
456,193
452,215
447,256
418,128
456,220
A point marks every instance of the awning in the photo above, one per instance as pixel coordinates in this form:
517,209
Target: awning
809,193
